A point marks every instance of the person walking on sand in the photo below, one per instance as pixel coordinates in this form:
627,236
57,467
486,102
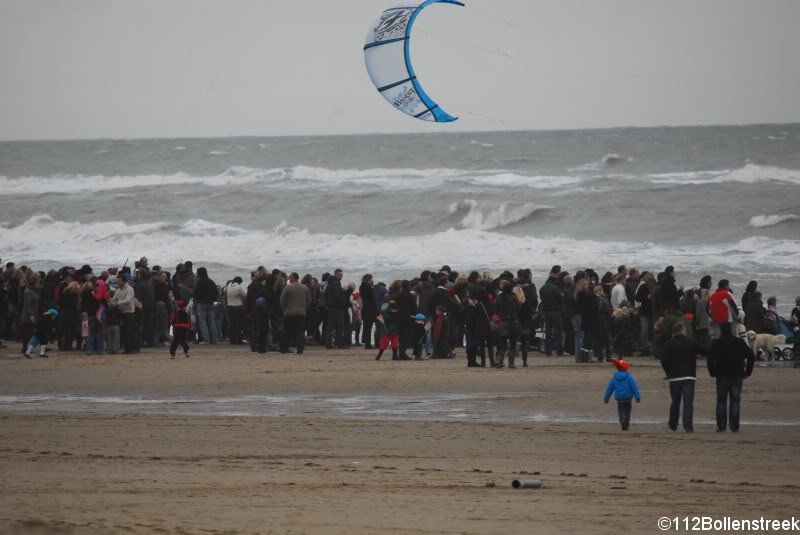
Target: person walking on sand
679,361
181,324
729,362
295,300
625,389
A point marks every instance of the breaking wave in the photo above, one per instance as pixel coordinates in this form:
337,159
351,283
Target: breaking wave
489,216
761,221
43,239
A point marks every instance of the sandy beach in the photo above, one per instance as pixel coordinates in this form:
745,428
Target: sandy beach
76,459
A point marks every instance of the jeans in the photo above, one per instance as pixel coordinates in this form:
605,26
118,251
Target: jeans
366,330
95,344
624,410
728,387
553,330
580,353
294,333
235,324
70,322
208,327
128,324
336,327
682,390
646,325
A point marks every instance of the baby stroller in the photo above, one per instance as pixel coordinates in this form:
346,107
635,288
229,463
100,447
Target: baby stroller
787,329
536,342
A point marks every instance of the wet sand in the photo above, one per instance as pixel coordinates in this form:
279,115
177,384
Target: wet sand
68,471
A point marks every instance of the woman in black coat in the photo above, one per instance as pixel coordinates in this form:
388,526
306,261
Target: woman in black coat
369,309
507,307
406,310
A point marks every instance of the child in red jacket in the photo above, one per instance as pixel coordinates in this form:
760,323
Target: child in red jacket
181,325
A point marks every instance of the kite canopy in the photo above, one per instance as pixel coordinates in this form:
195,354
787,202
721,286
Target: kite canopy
388,59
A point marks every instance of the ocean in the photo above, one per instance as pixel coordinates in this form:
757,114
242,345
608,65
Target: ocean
717,200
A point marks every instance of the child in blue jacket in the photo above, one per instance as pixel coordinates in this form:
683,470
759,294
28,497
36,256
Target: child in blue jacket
624,387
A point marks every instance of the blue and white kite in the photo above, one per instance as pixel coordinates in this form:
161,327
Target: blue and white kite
387,54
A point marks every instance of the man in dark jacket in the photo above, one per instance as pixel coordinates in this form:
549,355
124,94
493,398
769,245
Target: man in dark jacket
729,361
145,292
205,293
679,361
256,290
552,304
337,305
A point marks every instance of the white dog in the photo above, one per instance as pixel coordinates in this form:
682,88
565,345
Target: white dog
766,342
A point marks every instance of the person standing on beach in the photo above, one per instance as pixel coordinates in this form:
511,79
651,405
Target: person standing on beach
680,364
369,309
205,294
552,304
236,297
337,305
295,299
181,324
722,309
729,362
123,302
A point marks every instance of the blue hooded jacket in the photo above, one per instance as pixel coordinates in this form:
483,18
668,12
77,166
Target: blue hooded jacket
624,387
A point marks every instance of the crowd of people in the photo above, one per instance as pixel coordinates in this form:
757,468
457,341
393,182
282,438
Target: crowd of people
495,319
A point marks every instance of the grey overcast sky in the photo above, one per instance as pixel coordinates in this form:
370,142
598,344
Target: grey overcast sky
172,68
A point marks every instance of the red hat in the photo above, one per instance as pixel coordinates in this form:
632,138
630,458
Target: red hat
621,364
181,303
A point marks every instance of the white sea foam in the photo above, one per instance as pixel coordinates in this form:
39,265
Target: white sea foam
179,148
761,221
41,238
491,216
749,174
480,144
218,152
288,178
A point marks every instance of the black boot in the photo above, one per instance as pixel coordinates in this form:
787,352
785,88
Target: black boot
472,361
380,354
524,359
394,354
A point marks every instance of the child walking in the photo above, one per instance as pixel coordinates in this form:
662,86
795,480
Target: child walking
624,387
181,326
44,327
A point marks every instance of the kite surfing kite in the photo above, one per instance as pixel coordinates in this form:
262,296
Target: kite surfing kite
388,59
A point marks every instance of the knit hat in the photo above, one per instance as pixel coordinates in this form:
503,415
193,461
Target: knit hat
181,303
621,364
52,312
420,317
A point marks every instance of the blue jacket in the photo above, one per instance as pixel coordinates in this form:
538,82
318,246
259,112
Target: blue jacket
624,387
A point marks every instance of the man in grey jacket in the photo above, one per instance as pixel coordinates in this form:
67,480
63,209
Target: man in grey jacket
295,300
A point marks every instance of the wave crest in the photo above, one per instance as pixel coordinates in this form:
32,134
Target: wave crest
761,221
494,216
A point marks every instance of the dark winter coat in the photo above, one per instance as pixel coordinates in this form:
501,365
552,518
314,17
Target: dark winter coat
679,358
730,356
369,305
